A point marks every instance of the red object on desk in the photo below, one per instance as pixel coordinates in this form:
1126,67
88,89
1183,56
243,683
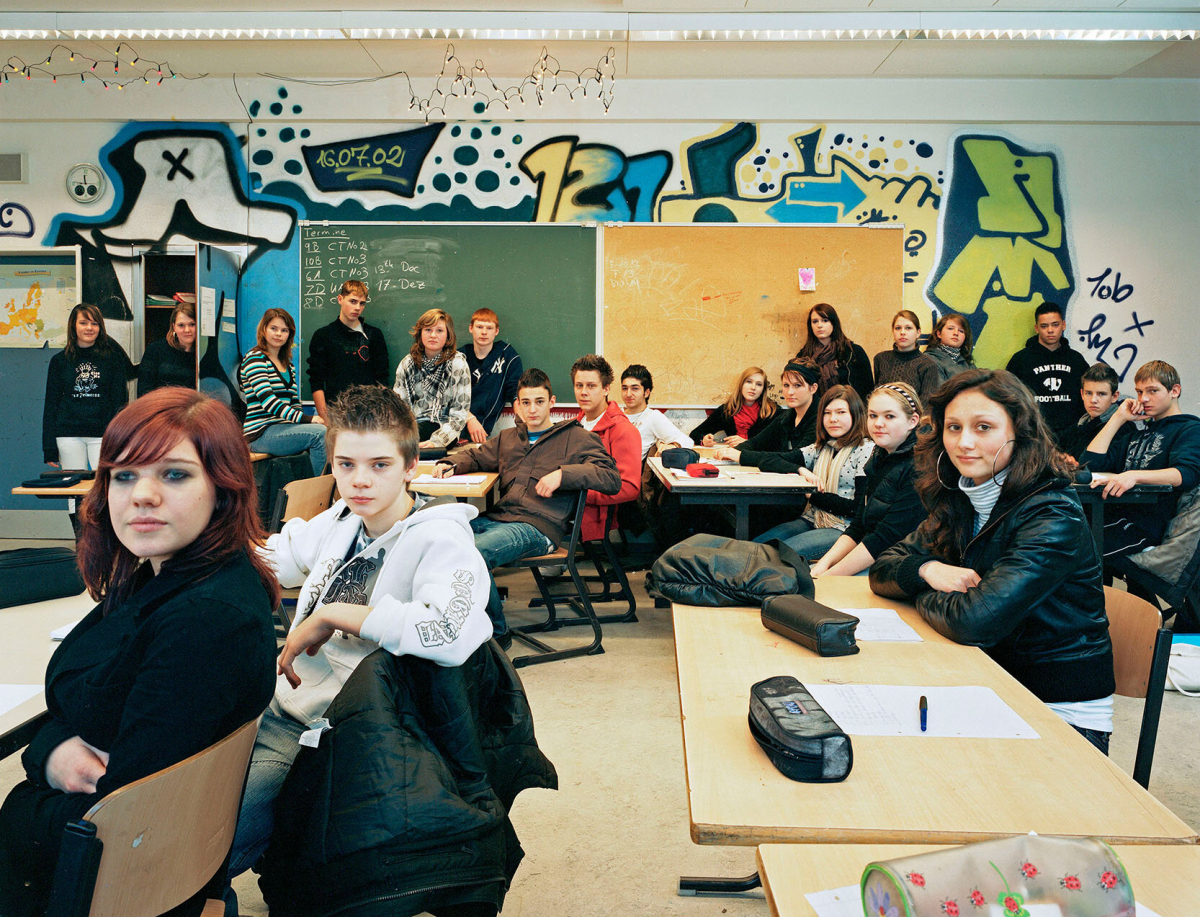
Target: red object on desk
702,470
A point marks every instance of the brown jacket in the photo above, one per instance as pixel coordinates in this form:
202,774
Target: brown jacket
585,465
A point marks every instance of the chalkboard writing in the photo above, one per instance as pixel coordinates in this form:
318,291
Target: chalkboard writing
539,278
389,162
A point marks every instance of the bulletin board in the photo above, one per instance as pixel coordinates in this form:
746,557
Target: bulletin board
698,303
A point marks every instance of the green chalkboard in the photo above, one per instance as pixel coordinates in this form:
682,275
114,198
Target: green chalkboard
539,278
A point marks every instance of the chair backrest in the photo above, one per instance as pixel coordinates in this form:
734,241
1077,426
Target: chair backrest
304,499
167,834
1133,626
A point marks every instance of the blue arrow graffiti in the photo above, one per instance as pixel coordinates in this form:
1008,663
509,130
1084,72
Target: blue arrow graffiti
802,195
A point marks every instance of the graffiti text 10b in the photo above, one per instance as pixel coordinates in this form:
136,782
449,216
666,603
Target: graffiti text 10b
1114,289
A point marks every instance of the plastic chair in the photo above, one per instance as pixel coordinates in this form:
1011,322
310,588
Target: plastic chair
1141,652
568,556
154,844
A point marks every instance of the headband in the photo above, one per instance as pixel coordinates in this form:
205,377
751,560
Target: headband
903,394
809,374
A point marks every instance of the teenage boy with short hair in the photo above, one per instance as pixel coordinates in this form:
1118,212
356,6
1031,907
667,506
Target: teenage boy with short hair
347,351
542,466
652,426
495,370
592,376
379,568
1165,451
1100,402
1051,370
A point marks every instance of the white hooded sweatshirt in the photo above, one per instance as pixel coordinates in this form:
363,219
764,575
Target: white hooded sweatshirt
426,584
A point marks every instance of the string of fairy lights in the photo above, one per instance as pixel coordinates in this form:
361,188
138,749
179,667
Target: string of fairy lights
545,80
105,70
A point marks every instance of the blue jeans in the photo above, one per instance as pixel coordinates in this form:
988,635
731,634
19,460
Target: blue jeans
1096,737
809,542
501,543
292,438
275,749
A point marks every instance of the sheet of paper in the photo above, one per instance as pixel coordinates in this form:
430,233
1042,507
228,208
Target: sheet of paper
967,711
1143,911
208,311
12,696
453,479
882,624
61,632
837,902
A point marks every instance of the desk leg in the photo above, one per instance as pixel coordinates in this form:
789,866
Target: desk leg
742,524
691,886
1097,520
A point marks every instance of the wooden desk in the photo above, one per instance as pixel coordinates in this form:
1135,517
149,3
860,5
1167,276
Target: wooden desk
739,486
1165,878
72,493
477,495
901,790
24,653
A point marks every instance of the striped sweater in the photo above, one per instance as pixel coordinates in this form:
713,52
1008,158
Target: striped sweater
271,397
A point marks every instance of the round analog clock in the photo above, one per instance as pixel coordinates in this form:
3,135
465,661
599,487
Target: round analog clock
85,183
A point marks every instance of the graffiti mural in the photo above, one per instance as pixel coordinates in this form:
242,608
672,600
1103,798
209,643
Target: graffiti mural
390,162
16,220
170,183
592,181
1002,245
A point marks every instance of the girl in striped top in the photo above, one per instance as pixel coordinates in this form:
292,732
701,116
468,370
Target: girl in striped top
275,424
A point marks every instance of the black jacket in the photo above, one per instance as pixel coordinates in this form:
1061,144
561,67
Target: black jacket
1055,377
83,394
889,508
179,665
777,448
1039,608
721,420
339,358
163,365
403,807
854,372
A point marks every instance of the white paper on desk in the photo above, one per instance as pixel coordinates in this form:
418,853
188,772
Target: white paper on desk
12,696
961,712
452,479
882,624
1143,911
60,633
837,902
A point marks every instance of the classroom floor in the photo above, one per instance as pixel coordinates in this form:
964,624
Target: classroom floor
614,838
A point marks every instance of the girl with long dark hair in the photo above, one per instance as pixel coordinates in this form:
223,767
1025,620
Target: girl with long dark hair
1005,561
842,362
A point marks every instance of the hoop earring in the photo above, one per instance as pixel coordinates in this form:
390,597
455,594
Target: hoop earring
997,455
938,469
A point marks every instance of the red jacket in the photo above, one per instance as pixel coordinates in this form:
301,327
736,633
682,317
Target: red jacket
624,444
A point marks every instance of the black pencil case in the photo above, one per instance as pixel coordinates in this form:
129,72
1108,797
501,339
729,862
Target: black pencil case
825,631
59,480
797,734
679,458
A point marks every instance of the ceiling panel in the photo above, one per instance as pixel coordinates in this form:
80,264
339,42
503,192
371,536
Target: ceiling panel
772,60
1021,59
1178,60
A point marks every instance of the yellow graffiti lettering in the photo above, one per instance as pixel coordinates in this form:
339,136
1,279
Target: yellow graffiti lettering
1020,192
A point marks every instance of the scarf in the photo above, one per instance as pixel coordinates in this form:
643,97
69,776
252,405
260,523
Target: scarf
826,359
431,374
954,353
828,469
744,419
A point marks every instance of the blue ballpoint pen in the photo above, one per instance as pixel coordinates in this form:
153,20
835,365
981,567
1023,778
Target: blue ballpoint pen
924,712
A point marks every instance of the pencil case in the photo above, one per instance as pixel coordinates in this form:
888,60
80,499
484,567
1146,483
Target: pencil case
58,480
825,631
1080,876
702,470
679,458
798,736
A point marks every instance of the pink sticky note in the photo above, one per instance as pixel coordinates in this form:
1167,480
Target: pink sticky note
808,279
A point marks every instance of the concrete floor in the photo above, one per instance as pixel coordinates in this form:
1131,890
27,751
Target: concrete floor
614,838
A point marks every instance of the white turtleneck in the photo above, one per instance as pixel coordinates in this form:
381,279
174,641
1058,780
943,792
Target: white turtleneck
983,496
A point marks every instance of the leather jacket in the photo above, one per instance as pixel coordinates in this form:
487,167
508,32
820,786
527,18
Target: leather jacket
403,806
1038,610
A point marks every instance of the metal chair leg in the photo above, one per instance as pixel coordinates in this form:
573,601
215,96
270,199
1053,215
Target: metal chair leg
546,653
714,886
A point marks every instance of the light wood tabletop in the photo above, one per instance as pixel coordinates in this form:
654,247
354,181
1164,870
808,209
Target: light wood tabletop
27,648
901,789
1165,878
478,491
75,490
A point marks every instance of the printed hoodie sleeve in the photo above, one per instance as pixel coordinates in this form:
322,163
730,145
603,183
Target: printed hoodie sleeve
295,550
56,377
447,619
458,400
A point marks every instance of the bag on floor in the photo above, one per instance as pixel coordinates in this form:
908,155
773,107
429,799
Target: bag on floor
712,570
1183,671
38,574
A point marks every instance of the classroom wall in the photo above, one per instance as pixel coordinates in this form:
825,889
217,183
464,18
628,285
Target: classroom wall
1011,192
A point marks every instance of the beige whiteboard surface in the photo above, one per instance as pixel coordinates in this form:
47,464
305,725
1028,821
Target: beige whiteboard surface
698,303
